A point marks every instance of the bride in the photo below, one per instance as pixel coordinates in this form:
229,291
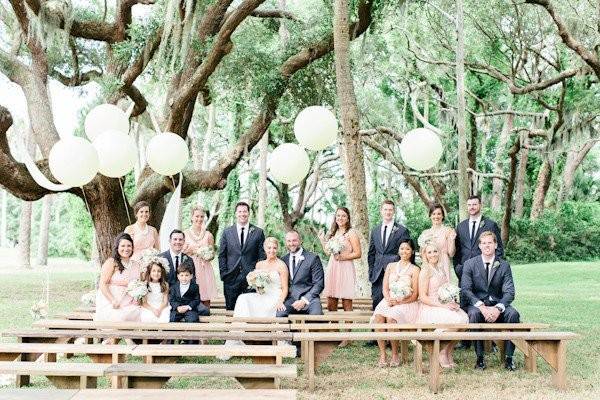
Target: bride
261,305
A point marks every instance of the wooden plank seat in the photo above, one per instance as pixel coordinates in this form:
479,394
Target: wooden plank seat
350,317
551,346
252,320
147,394
169,326
154,376
32,351
62,375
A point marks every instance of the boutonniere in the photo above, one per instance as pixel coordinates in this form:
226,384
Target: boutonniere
300,258
496,264
394,229
250,230
481,224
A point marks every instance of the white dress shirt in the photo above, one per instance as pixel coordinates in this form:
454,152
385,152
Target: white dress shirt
173,255
239,231
297,254
183,288
477,223
388,232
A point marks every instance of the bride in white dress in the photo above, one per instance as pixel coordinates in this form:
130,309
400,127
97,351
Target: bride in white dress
267,304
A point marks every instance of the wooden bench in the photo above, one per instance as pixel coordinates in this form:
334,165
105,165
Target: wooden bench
146,394
253,320
168,326
154,376
551,346
62,375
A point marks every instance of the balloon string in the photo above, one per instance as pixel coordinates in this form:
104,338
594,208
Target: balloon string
125,201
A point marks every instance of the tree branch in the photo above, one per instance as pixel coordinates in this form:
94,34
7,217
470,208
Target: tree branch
273,14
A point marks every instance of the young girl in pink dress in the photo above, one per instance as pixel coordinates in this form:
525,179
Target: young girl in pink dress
340,279
432,311
441,235
144,236
395,310
112,301
195,238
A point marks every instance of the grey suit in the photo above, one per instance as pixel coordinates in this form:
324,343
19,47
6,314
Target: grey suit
235,262
307,282
499,288
379,257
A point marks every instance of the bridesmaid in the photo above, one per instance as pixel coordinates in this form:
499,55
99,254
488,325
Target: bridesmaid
398,310
441,235
340,280
112,301
144,236
196,237
432,276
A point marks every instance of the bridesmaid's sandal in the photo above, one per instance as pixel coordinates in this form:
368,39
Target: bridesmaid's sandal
394,363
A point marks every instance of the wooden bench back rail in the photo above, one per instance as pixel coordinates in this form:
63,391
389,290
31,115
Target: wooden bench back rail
307,327
441,336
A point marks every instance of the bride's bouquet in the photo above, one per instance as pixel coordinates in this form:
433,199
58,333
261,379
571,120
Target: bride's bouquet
258,280
335,245
400,288
137,289
206,253
448,293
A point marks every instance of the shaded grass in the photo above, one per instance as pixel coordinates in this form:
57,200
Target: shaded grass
564,295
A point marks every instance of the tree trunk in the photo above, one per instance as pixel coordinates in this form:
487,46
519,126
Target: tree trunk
42,251
541,189
510,187
24,247
263,148
497,183
574,160
3,218
463,176
520,184
352,149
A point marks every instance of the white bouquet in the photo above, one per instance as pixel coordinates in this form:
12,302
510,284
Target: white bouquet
400,288
335,245
206,253
425,238
89,299
147,256
137,289
448,293
39,310
258,280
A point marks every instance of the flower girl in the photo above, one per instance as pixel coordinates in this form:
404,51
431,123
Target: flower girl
155,306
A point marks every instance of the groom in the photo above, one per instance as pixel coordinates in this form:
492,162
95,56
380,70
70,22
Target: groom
488,287
240,248
305,279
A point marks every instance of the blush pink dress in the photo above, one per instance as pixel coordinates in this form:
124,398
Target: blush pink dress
340,278
443,238
402,313
142,240
205,277
439,314
129,309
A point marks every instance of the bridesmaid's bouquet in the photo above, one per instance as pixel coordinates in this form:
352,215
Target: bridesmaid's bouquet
137,289
448,293
147,255
258,280
89,299
335,245
206,253
400,288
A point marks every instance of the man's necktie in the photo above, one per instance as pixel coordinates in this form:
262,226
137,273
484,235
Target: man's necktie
487,270
384,236
473,230
242,238
176,262
293,266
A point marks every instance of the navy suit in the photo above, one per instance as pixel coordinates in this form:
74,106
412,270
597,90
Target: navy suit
235,261
498,289
190,298
379,257
183,259
307,282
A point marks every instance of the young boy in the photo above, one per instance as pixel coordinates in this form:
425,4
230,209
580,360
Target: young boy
184,296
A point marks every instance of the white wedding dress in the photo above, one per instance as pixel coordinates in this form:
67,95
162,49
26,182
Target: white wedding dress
257,305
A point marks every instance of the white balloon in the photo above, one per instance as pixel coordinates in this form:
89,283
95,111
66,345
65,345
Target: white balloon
167,153
315,128
289,163
105,117
117,153
73,161
421,149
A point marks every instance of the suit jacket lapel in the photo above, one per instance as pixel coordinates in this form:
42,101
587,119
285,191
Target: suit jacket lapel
297,267
478,231
494,269
251,229
178,289
395,228
377,238
236,237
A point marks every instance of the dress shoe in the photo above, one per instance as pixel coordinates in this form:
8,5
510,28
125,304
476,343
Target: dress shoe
480,364
371,343
509,364
464,345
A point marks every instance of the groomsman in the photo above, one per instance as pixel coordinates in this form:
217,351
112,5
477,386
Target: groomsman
306,280
488,287
240,248
467,236
383,248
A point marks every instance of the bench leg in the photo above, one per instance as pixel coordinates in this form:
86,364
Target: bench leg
434,367
418,357
311,365
403,351
554,352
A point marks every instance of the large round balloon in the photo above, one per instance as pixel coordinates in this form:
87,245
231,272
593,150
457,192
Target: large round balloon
289,163
73,161
421,149
117,153
315,128
167,153
105,117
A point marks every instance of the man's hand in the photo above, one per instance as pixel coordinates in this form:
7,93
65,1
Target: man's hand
494,313
485,311
183,309
299,304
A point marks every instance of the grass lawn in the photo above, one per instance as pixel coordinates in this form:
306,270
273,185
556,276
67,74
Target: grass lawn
564,295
